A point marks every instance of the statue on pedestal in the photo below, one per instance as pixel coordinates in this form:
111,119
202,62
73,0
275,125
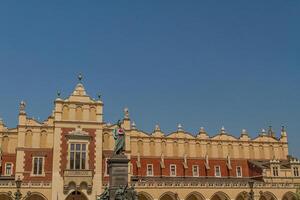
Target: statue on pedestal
119,136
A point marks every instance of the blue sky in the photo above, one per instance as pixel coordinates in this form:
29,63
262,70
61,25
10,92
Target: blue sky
211,64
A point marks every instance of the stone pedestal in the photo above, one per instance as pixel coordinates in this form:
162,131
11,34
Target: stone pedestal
118,173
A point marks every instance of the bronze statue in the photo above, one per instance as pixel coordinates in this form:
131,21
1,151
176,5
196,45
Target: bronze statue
119,136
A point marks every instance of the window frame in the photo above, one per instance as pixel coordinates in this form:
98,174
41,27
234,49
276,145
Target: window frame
152,171
75,141
275,171
38,168
11,169
241,172
197,173
175,170
218,167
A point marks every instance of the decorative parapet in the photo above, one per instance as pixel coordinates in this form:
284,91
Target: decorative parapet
206,183
31,184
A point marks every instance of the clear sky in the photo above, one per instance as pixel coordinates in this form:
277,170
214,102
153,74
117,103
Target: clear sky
211,64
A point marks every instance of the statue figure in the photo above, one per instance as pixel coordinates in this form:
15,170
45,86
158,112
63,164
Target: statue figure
104,195
132,194
119,136
120,193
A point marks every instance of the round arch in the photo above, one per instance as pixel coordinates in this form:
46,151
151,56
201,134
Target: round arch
242,196
36,196
76,195
5,196
168,196
219,196
289,196
267,196
144,196
194,196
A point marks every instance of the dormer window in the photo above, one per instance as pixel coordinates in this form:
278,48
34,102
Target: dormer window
239,171
275,171
8,169
217,171
172,170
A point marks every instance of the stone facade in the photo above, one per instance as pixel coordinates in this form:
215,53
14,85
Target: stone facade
64,157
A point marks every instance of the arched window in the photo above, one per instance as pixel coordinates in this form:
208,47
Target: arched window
152,148
106,141
140,147
5,144
241,151
198,150
28,138
251,152
92,114
208,149
272,152
78,113
220,150
43,139
65,113
230,150
175,148
163,147
186,148
261,152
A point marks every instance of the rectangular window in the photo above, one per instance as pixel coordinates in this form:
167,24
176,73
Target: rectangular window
239,171
149,170
195,170
77,156
38,164
217,171
296,171
275,171
172,170
8,169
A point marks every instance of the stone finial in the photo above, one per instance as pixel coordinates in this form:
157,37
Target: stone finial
271,132
223,131
263,132
283,132
157,128
22,107
179,127
126,113
99,96
244,132
58,93
202,130
80,77
133,126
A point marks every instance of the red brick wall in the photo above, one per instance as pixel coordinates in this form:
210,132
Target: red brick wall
254,171
8,158
180,171
64,148
48,162
92,148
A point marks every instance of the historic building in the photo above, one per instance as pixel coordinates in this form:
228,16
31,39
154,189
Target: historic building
64,157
